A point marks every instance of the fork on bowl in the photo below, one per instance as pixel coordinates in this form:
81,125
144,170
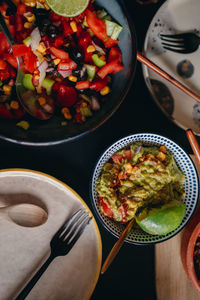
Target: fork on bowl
61,243
180,43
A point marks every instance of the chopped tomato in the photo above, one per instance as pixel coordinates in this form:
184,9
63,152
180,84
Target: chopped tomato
20,50
67,65
66,95
11,71
21,9
82,85
67,30
11,60
59,53
59,41
109,43
4,74
84,39
54,17
107,210
115,53
111,67
128,154
117,158
3,64
97,25
98,84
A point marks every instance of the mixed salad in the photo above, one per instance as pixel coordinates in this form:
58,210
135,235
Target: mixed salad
68,61
137,178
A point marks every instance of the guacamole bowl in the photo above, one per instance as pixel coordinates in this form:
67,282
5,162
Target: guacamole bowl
184,166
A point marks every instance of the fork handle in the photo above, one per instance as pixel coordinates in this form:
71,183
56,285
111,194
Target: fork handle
35,278
6,30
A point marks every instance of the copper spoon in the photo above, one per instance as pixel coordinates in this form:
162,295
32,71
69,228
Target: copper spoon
117,246
27,215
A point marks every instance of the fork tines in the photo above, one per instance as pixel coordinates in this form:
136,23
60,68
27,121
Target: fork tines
74,227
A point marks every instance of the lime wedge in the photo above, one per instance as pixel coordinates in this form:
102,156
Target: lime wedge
160,221
68,8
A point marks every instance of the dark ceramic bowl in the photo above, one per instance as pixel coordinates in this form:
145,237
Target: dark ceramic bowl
51,132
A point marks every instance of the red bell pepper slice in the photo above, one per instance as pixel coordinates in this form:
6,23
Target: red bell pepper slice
98,84
111,67
109,43
82,85
20,50
66,95
106,209
3,64
97,25
4,74
117,158
67,65
30,61
115,53
59,53
19,26
21,9
11,60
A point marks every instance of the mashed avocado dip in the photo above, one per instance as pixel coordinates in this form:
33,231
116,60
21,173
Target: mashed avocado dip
136,178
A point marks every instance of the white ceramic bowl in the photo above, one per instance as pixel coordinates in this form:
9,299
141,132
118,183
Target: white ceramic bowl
191,186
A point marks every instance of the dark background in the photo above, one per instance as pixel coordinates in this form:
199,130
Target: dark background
132,275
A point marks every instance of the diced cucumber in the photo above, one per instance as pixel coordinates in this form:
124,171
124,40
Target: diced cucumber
91,71
97,61
110,27
107,18
1,83
116,32
101,14
90,32
27,41
47,85
27,82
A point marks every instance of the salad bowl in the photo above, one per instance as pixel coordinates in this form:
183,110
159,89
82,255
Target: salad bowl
52,131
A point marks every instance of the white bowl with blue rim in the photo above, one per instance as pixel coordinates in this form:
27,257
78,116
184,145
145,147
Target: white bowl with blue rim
191,187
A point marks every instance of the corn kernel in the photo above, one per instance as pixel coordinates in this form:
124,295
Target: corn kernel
42,48
65,110
67,116
7,21
64,123
30,3
14,104
83,104
90,48
42,1
102,57
58,79
7,89
23,124
36,72
37,77
31,18
105,91
42,101
73,26
72,78
56,61
28,25
46,6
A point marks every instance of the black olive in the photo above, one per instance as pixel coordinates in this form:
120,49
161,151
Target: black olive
52,31
10,12
75,54
41,13
45,22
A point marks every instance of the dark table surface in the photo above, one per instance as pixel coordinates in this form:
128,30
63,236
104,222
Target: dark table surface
132,274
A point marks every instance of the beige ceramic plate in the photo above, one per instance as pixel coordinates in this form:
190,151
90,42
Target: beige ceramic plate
175,17
23,250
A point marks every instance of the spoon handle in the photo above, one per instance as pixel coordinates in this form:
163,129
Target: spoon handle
194,144
117,246
6,30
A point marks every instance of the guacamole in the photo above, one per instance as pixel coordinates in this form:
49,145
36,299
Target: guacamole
138,177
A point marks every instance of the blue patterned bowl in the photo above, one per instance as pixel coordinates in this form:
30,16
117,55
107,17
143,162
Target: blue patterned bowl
137,236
